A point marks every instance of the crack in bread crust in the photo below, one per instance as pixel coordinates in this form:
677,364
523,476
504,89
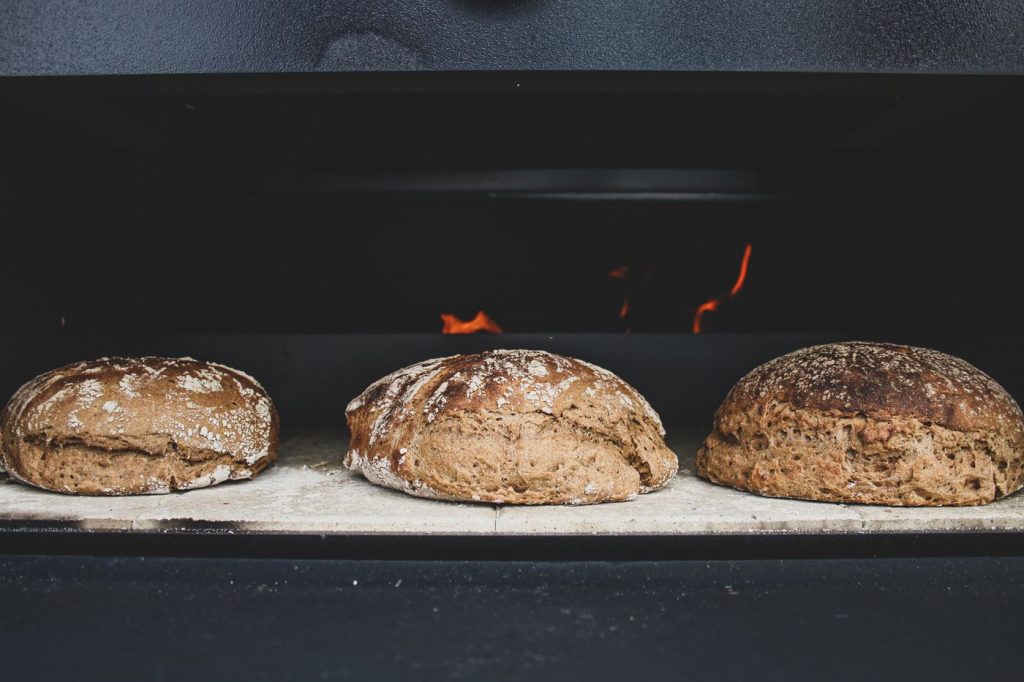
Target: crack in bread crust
82,469
828,456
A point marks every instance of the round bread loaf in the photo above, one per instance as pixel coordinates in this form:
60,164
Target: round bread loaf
128,426
871,423
508,426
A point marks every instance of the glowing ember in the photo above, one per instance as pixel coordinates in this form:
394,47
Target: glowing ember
622,273
715,302
744,264
704,307
481,323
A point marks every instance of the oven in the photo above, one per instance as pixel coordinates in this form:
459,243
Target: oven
319,194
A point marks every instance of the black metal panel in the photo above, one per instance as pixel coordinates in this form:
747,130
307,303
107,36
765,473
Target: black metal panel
165,619
212,539
259,36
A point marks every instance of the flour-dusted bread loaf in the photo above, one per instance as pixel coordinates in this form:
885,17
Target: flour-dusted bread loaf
128,426
508,426
871,423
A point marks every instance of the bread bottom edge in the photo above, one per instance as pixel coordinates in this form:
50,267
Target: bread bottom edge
856,460
81,469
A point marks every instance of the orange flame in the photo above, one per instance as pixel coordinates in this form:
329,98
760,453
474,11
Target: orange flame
481,323
744,264
621,273
713,303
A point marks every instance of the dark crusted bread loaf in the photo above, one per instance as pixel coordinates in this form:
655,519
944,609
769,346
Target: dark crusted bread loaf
871,423
126,426
508,426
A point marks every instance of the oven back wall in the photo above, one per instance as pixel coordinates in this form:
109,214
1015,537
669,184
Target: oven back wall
164,263
882,212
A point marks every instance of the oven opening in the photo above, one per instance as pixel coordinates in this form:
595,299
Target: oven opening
678,238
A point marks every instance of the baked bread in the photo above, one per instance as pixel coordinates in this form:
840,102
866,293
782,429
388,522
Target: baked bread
508,426
871,423
128,426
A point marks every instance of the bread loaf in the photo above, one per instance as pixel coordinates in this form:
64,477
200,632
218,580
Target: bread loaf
125,426
870,423
508,426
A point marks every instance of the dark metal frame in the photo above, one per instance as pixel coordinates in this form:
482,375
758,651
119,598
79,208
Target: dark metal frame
212,540
90,37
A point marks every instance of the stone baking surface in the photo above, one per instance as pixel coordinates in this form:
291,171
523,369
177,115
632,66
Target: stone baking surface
308,491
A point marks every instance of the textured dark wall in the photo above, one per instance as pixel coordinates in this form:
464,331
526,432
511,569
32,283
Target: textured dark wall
69,37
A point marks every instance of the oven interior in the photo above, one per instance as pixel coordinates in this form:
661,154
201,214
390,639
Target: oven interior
314,231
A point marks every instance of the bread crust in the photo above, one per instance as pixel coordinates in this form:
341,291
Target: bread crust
126,426
868,423
508,426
